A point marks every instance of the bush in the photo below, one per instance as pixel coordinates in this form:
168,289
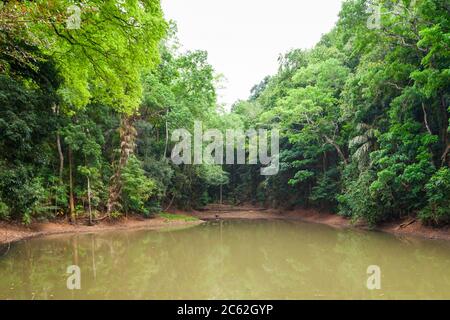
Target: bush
324,192
358,203
437,210
137,188
4,211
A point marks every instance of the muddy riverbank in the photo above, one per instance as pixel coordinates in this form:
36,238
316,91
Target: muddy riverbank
404,227
11,232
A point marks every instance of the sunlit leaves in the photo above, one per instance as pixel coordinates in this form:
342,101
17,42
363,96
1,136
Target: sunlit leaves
103,59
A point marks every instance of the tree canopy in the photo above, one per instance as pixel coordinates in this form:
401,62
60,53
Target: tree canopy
90,92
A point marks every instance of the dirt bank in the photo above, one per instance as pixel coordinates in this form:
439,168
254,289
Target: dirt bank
11,232
407,227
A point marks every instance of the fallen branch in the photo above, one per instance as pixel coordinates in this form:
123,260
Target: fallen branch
406,224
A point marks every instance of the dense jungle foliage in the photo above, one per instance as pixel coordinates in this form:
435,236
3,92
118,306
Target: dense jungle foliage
86,115
364,117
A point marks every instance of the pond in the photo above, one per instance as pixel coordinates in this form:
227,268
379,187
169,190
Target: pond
227,260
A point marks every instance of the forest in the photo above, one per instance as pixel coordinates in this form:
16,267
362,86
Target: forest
90,95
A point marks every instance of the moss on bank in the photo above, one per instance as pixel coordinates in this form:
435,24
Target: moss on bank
177,217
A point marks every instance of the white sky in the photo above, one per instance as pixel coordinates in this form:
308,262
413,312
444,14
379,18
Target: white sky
245,37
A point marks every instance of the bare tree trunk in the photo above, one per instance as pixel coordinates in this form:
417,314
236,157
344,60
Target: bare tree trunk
445,156
58,145
61,167
337,147
445,139
89,200
425,118
170,203
72,213
89,194
167,136
127,145
61,157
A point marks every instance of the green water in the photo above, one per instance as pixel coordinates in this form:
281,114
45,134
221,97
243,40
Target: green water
227,260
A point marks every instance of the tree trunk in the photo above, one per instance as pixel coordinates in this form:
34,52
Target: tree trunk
170,203
425,118
167,136
89,201
445,156
72,213
444,132
337,147
61,157
127,145
58,145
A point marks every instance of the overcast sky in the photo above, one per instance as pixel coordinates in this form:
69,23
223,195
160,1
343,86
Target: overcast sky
245,37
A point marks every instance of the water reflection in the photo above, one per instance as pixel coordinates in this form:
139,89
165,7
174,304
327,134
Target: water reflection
227,260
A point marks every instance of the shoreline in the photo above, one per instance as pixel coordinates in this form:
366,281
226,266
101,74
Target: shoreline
12,231
406,227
